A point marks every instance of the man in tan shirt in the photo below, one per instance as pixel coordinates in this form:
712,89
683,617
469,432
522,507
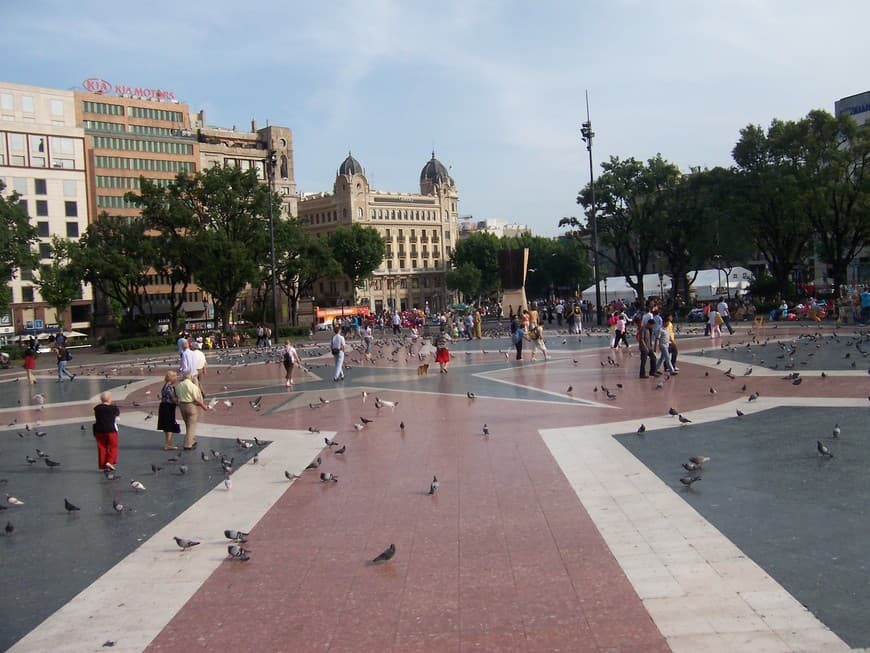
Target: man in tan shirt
189,400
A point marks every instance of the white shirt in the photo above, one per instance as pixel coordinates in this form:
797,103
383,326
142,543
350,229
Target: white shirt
188,362
337,341
198,359
722,307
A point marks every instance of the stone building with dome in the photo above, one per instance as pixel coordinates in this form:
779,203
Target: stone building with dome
420,231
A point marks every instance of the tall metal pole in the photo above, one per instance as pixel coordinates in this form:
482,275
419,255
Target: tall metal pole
587,134
270,164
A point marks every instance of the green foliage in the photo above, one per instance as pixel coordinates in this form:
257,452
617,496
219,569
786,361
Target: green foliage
766,285
465,279
17,237
59,283
359,250
140,343
481,251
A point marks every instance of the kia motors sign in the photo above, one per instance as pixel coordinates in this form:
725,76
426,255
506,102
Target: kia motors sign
101,86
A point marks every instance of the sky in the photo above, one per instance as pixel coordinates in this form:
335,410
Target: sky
495,88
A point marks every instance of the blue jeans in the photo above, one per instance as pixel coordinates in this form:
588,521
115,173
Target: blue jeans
61,371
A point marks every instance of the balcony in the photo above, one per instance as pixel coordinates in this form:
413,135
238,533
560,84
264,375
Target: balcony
425,253
402,251
412,239
414,252
424,239
436,253
435,239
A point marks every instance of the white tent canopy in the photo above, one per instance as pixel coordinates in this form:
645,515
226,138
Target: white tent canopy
709,284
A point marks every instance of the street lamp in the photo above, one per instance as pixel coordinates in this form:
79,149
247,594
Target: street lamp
605,292
662,286
271,161
718,259
587,135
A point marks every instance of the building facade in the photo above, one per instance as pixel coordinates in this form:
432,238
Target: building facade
469,225
420,231
43,159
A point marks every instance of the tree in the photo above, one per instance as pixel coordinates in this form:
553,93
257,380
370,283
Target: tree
114,256
229,230
769,197
465,279
630,208
17,237
301,260
59,283
359,250
169,217
833,170
481,251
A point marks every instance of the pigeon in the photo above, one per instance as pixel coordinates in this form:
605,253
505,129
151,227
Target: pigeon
40,434
111,476
836,431
341,450
238,553
244,444
470,395
823,450
388,553
328,477
228,482
259,443
713,391
30,459
255,404
151,415
330,443
433,486
203,456
290,476
182,469
684,420
748,372
155,469
212,403
485,430
384,402
364,395
118,507
70,507
570,389
323,401
688,480
797,381
753,396
236,536
641,428
9,528
41,453
313,406
691,467
227,403
315,464
313,429
358,426
12,501
402,426
185,544
673,412
740,413
136,485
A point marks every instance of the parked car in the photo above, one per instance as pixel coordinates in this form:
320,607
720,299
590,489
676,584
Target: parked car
697,315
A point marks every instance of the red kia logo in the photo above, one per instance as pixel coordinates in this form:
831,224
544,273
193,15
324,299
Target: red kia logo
97,85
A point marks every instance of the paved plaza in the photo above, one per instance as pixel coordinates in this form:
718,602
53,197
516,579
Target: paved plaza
562,528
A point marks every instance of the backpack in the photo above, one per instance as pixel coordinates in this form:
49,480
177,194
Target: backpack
287,358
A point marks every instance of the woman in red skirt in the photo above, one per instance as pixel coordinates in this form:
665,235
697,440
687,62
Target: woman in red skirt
442,355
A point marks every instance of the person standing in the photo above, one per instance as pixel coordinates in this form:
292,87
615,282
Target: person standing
338,344
713,323
166,411
478,324
664,341
188,360
189,401
536,335
725,314
199,361
560,309
442,354
367,338
106,432
30,365
397,323
518,336
672,342
289,358
63,357
647,348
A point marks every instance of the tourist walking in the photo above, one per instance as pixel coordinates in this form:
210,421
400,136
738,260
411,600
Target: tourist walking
725,314
442,354
536,336
646,342
664,341
338,345
189,402
290,359
63,357
30,365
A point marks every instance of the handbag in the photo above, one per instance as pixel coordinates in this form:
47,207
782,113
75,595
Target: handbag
719,319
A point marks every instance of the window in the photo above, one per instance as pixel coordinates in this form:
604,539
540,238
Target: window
27,103
42,208
71,209
6,102
27,293
40,187
26,274
56,107
16,142
70,188
63,145
72,229
42,229
44,250
23,204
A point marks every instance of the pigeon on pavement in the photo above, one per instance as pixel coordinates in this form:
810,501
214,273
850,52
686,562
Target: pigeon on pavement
386,555
434,485
185,544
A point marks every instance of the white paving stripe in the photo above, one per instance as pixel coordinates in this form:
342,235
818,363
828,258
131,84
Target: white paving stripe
132,602
703,593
